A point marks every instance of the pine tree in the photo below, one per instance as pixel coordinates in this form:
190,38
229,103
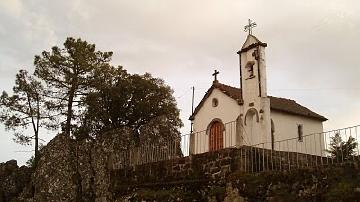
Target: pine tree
25,108
341,150
68,73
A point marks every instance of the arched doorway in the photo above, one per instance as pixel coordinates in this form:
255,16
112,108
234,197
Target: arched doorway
216,138
251,120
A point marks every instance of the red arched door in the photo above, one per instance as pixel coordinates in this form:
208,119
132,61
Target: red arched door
216,136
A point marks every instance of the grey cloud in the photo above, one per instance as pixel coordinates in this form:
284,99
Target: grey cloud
311,44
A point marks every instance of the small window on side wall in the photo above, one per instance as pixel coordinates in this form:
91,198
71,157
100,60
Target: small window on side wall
300,132
215,102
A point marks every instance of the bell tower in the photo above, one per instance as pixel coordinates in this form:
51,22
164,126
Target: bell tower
256,104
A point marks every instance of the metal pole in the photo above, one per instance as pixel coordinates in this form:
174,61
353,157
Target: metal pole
280,158
315,152
287,142
357,140
306,154
245,158
342,154
267,159
263,157
252,158
325,145
192,108
259,158
353,156
321,150
297,154
271,157
332,159
241,162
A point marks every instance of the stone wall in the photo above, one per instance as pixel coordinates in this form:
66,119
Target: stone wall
71,170
340,183
216,165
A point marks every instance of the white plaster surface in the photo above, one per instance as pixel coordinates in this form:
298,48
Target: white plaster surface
227,111
255,133
286,128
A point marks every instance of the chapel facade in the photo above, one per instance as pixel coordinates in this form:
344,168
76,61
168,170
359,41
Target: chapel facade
231,117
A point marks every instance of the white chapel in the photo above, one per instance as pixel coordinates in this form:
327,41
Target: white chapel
231,117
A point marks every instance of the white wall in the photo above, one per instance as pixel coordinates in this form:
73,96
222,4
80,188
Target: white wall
286,132
256,132
227,111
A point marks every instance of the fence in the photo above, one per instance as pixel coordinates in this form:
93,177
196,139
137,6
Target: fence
312,150
318,149
199,142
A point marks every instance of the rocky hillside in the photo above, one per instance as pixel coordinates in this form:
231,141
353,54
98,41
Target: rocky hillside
83,171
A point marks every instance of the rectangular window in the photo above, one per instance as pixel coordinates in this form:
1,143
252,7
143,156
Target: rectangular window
300,132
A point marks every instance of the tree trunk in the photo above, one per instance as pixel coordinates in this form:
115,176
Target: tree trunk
69,109
69,115
36,158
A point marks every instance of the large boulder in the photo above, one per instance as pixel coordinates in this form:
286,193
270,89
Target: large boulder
56,177
105,155
13,180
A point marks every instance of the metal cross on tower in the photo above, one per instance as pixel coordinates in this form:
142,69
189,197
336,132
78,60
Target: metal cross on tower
216,72
248,27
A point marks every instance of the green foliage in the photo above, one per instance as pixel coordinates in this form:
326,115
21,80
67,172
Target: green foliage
140,102
26,107
68,74
77,85
341,150
31,162
218,192
158,195
344,183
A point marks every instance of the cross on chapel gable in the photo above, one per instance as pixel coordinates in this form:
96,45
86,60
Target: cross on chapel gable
216,72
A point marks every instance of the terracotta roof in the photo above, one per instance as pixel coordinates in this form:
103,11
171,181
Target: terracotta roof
276,103
292,107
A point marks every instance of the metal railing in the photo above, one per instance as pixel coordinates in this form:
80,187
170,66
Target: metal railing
199,141
312,150
317,149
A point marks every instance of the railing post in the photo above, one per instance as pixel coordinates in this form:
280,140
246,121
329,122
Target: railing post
245,159
271,157
289,163
342,153
252,159
357,140
267,159
306,153
325,147
315,152
356,145
297,154
321,150
280,156
257,153
263,156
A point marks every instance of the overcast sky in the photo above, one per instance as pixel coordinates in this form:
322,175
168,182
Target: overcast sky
312,54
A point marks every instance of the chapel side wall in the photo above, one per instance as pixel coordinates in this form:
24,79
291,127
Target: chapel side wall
286,128
227,111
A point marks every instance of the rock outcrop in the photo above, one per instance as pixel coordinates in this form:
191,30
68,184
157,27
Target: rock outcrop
13,180
56,176
71,170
